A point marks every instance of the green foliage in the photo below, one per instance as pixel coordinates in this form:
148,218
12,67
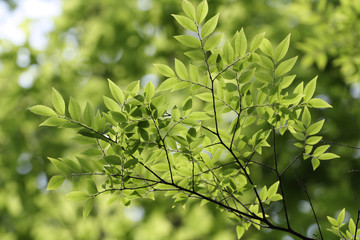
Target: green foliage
147,144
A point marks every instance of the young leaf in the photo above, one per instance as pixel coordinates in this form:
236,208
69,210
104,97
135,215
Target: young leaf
310,89
164,70
257,40
74,109
189,9
315,127
87,207
175,114
320,150
55,182
209,26
306,117
54,122
319,103
228,53
285,67
111,104
77,196
328,156
240,44
116,92
43,110
181,70
187,104
185,22
341,216
167,84
88,115
188,41
201,11
149,91
212,42
58,102
315,163
91,186
240,230
267,48
282,48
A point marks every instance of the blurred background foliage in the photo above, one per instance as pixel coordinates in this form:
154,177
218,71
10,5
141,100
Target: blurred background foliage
95,40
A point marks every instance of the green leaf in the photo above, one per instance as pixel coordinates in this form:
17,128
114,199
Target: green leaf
212,42
273,189
87,207
240,44
207,97
74,109
240,230
164,70
167,84
189,9
313,140
246,76
43,110
320,150
267,48
119,117
209,26
58,102
333,221
188,41
175,114
310,89
181,70
91,186
285,67
113,159
59,165
282,48
319,103
201,11
315,163
116,92
149,91
228,53
306,117
194,73
328,156
341,216
185,22
188,104
352,226
133,88
199,116
88,114
77,196
111,104
315,127
286,81
54,122
257,40
55,182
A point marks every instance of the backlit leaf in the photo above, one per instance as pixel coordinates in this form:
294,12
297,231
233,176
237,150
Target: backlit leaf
116,92
257,40
58,102
267,48
55,182
43,110
185,22
189,9
212,42
209,26
164,70
282,48
77,196
285,67
74,109
310,89
319,103
188,41
201,11
181,70
240,44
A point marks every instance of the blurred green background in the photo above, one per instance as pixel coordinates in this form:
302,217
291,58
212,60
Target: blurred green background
90,41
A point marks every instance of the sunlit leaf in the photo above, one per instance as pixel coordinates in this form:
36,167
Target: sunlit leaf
185,22
285,67
188,41
58,102
282,48
201,11
209,26
43,110
55,182
164,70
